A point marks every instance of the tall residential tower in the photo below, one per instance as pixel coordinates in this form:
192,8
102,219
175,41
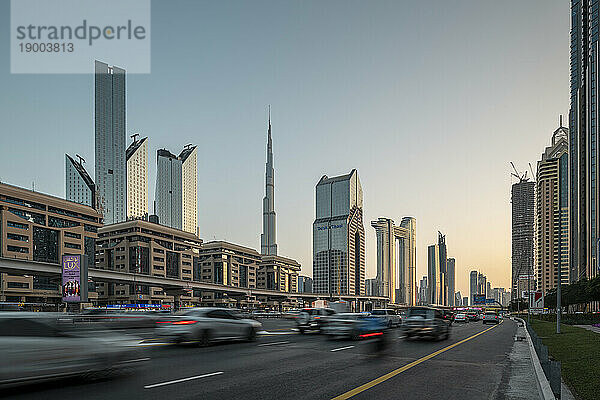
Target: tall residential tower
552,212
136,157
109,119
79,186
176,197
396,259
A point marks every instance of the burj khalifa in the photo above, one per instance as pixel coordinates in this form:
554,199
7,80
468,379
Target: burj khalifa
268,246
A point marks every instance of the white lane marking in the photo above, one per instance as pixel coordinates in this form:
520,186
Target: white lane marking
277,333
137,360
272,343
342,348
182,380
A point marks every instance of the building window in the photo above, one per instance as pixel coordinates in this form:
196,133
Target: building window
17,249
21,238
17,225
172,265
45,245
72,246
72,235
17,285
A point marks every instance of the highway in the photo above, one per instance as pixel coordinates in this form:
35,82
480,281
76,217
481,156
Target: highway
282,364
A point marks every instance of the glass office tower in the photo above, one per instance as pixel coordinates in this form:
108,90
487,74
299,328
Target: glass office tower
583,140
339,236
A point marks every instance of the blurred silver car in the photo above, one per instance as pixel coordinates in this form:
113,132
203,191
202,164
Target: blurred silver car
42,346
205,325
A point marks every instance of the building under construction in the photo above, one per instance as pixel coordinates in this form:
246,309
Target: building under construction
522,199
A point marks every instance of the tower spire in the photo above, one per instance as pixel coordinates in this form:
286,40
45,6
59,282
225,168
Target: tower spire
268,246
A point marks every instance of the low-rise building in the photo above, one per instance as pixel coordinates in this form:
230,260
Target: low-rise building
40,227
229,264
278,273
146,248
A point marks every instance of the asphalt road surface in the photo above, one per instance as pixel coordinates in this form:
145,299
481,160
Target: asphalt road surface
283,364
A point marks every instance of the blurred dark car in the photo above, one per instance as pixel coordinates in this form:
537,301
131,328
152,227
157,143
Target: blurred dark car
426,322
43,346
313,319
473,316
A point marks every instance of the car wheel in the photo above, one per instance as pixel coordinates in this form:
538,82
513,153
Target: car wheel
301,331
407,337
251,334
204,338
390,324
354,335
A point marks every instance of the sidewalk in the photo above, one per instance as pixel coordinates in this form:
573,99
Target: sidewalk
522,382
589,328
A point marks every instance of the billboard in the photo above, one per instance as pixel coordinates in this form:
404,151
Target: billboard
478,299
490,301
536,302
71,278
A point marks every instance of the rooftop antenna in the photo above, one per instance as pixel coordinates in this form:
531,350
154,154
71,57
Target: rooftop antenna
187,146
81,159
560,121
134,137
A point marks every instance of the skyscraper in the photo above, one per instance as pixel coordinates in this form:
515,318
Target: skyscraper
168,200
268,239
433,274
437,271
176,195
189,194
339,236
522,200
584,142
79,186
110,120
443,299
396,262
451,275
136,157
473,287
423,291
552,212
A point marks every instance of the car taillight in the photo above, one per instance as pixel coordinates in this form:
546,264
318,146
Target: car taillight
184,322
366,335
163,322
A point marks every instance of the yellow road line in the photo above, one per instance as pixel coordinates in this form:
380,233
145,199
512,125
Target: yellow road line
400,370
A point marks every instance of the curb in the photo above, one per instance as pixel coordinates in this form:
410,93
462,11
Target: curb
542,382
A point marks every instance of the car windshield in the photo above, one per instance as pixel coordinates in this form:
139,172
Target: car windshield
378,312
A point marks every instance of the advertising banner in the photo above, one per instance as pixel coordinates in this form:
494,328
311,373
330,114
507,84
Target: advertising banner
479,299
71,278
536,302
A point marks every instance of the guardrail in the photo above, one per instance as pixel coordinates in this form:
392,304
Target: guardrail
551,368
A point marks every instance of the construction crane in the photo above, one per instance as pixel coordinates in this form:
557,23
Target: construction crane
521,177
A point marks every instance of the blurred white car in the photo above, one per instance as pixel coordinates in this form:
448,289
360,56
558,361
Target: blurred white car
205,325
461,318
42,346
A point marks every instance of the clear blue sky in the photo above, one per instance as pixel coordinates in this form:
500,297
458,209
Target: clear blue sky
429,100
